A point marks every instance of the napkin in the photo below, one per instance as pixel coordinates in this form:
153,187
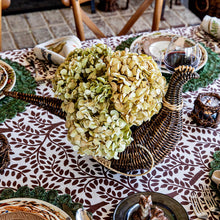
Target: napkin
55,51
211,25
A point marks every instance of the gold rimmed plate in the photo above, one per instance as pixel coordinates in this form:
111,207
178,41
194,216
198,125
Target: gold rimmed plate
172,209
28,208
3,77
11,79
150,44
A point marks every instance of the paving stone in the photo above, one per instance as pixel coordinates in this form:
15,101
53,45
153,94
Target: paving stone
88,33
23,39
104,28
53,17
17,22
188,16
139,26
130,11
109,14
41,34
4,25
72,26
61,30
35,19
163,25
116,24
27,30
173,20
7,42
148,17
67,13
136,4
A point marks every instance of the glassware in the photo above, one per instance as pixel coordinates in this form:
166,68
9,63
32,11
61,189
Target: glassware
182,51
155,53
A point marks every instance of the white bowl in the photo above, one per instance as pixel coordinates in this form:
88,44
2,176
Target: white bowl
46,51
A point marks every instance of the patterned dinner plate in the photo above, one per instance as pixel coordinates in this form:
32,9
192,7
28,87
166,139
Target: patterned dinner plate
3,77
172,209
28,208
11,79
150,44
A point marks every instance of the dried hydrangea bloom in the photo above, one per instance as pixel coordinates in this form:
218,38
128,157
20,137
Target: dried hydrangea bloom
137,86
94,126
81,65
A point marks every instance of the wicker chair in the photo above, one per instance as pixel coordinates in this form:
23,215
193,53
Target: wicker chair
80,16
5,4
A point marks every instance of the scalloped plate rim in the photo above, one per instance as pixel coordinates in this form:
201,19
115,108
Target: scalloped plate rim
158,34
49,205
6,79
14,78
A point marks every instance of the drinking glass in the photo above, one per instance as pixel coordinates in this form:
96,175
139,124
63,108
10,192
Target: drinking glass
182,51
156,53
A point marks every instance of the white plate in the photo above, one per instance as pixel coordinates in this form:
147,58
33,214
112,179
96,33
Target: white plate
31,209
11,78
147,43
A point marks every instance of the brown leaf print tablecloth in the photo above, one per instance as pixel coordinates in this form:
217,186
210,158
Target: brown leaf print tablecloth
42,156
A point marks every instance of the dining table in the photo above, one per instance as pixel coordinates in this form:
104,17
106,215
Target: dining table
41,155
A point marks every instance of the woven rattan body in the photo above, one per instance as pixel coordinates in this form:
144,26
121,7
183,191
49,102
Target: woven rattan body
164,130
158,136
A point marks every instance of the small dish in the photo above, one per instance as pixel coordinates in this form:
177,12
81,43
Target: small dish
146,43
56,50
31,209
11,78
3,77
172,209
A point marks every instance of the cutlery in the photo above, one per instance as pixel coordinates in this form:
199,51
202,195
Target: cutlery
209,200
197,206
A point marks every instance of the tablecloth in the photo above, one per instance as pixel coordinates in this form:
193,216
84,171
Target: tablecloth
42,156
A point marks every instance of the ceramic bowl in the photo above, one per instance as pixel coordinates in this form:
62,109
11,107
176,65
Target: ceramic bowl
56,50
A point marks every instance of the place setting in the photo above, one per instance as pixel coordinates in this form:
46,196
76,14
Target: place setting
156,45
7,78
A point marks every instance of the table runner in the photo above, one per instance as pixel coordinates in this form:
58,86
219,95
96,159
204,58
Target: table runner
25,83
42,156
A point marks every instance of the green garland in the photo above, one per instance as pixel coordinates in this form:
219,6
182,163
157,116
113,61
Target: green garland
25,83
39,192
208,73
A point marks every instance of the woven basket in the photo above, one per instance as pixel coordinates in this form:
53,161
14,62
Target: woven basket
4,152
152,140
207,116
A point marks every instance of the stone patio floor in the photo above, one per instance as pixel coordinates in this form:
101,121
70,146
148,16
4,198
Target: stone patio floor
26,30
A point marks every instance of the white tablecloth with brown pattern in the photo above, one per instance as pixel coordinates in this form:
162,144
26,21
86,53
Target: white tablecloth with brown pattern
42,156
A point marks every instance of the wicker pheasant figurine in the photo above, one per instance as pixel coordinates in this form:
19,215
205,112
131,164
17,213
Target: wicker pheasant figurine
158,136
164,130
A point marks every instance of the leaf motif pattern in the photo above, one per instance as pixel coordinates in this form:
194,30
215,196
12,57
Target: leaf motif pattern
42,156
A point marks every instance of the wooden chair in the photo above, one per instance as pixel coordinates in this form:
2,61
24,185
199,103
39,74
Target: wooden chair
80,16
4,4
